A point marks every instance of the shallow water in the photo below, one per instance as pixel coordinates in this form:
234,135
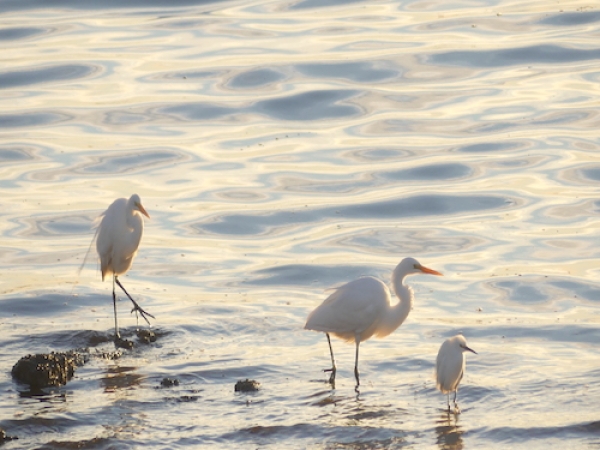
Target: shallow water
283,148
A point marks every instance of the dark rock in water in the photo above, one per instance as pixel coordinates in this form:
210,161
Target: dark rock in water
48,369
247,385
169,382
123,343
4,437
146,336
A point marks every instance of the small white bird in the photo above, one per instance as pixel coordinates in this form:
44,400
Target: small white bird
119,235
361,308
450,366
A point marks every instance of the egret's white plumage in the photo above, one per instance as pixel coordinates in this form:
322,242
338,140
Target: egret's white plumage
118,239
362,308
450,365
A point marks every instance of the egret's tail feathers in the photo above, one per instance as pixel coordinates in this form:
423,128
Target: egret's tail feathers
87,254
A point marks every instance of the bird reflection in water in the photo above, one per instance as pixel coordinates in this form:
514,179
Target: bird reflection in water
119,378
449,432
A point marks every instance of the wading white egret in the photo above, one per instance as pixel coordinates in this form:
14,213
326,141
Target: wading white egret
119,235
361,308
450,366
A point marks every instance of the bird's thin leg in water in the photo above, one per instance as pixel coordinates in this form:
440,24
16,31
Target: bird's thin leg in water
455,394
333,368
448,401
117,334
136,307
357,339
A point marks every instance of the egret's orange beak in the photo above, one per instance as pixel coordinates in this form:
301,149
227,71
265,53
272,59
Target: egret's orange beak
430,271
142,210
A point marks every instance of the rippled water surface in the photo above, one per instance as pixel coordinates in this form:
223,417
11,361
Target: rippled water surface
283,148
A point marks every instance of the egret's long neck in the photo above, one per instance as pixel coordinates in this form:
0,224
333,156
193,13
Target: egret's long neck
399,312
136,225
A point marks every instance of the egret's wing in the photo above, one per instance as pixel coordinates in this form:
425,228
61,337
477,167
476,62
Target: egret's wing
110,231
351,308
449,369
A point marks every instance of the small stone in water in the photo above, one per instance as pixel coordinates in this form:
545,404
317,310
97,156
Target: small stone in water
247,385
169,382
123,343
146,336
4,437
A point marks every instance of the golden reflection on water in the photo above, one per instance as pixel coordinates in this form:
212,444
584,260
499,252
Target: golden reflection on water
283,148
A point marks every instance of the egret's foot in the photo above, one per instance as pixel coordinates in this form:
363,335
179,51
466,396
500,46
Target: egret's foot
141,312
333,370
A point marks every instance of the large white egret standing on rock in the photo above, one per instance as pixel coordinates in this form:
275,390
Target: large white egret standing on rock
360,309
450,366
119,235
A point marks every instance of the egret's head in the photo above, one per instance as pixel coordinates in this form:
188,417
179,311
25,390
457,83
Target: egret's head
137,205
411,266
462,343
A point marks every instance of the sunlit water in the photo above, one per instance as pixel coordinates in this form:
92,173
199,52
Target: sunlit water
282,148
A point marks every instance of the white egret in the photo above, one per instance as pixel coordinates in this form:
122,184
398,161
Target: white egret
119,235
450,366
361,308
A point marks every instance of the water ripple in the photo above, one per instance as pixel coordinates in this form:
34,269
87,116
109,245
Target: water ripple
14,34
360,72
416,206
313,105
43,75
535,54
32,119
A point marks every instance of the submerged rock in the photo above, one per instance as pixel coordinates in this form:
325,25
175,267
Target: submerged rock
146,336
123,343
169,382
47,369
4,437
247,385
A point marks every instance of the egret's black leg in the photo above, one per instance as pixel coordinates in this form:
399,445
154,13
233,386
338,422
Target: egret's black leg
136,307
333,368
117,334
357,339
